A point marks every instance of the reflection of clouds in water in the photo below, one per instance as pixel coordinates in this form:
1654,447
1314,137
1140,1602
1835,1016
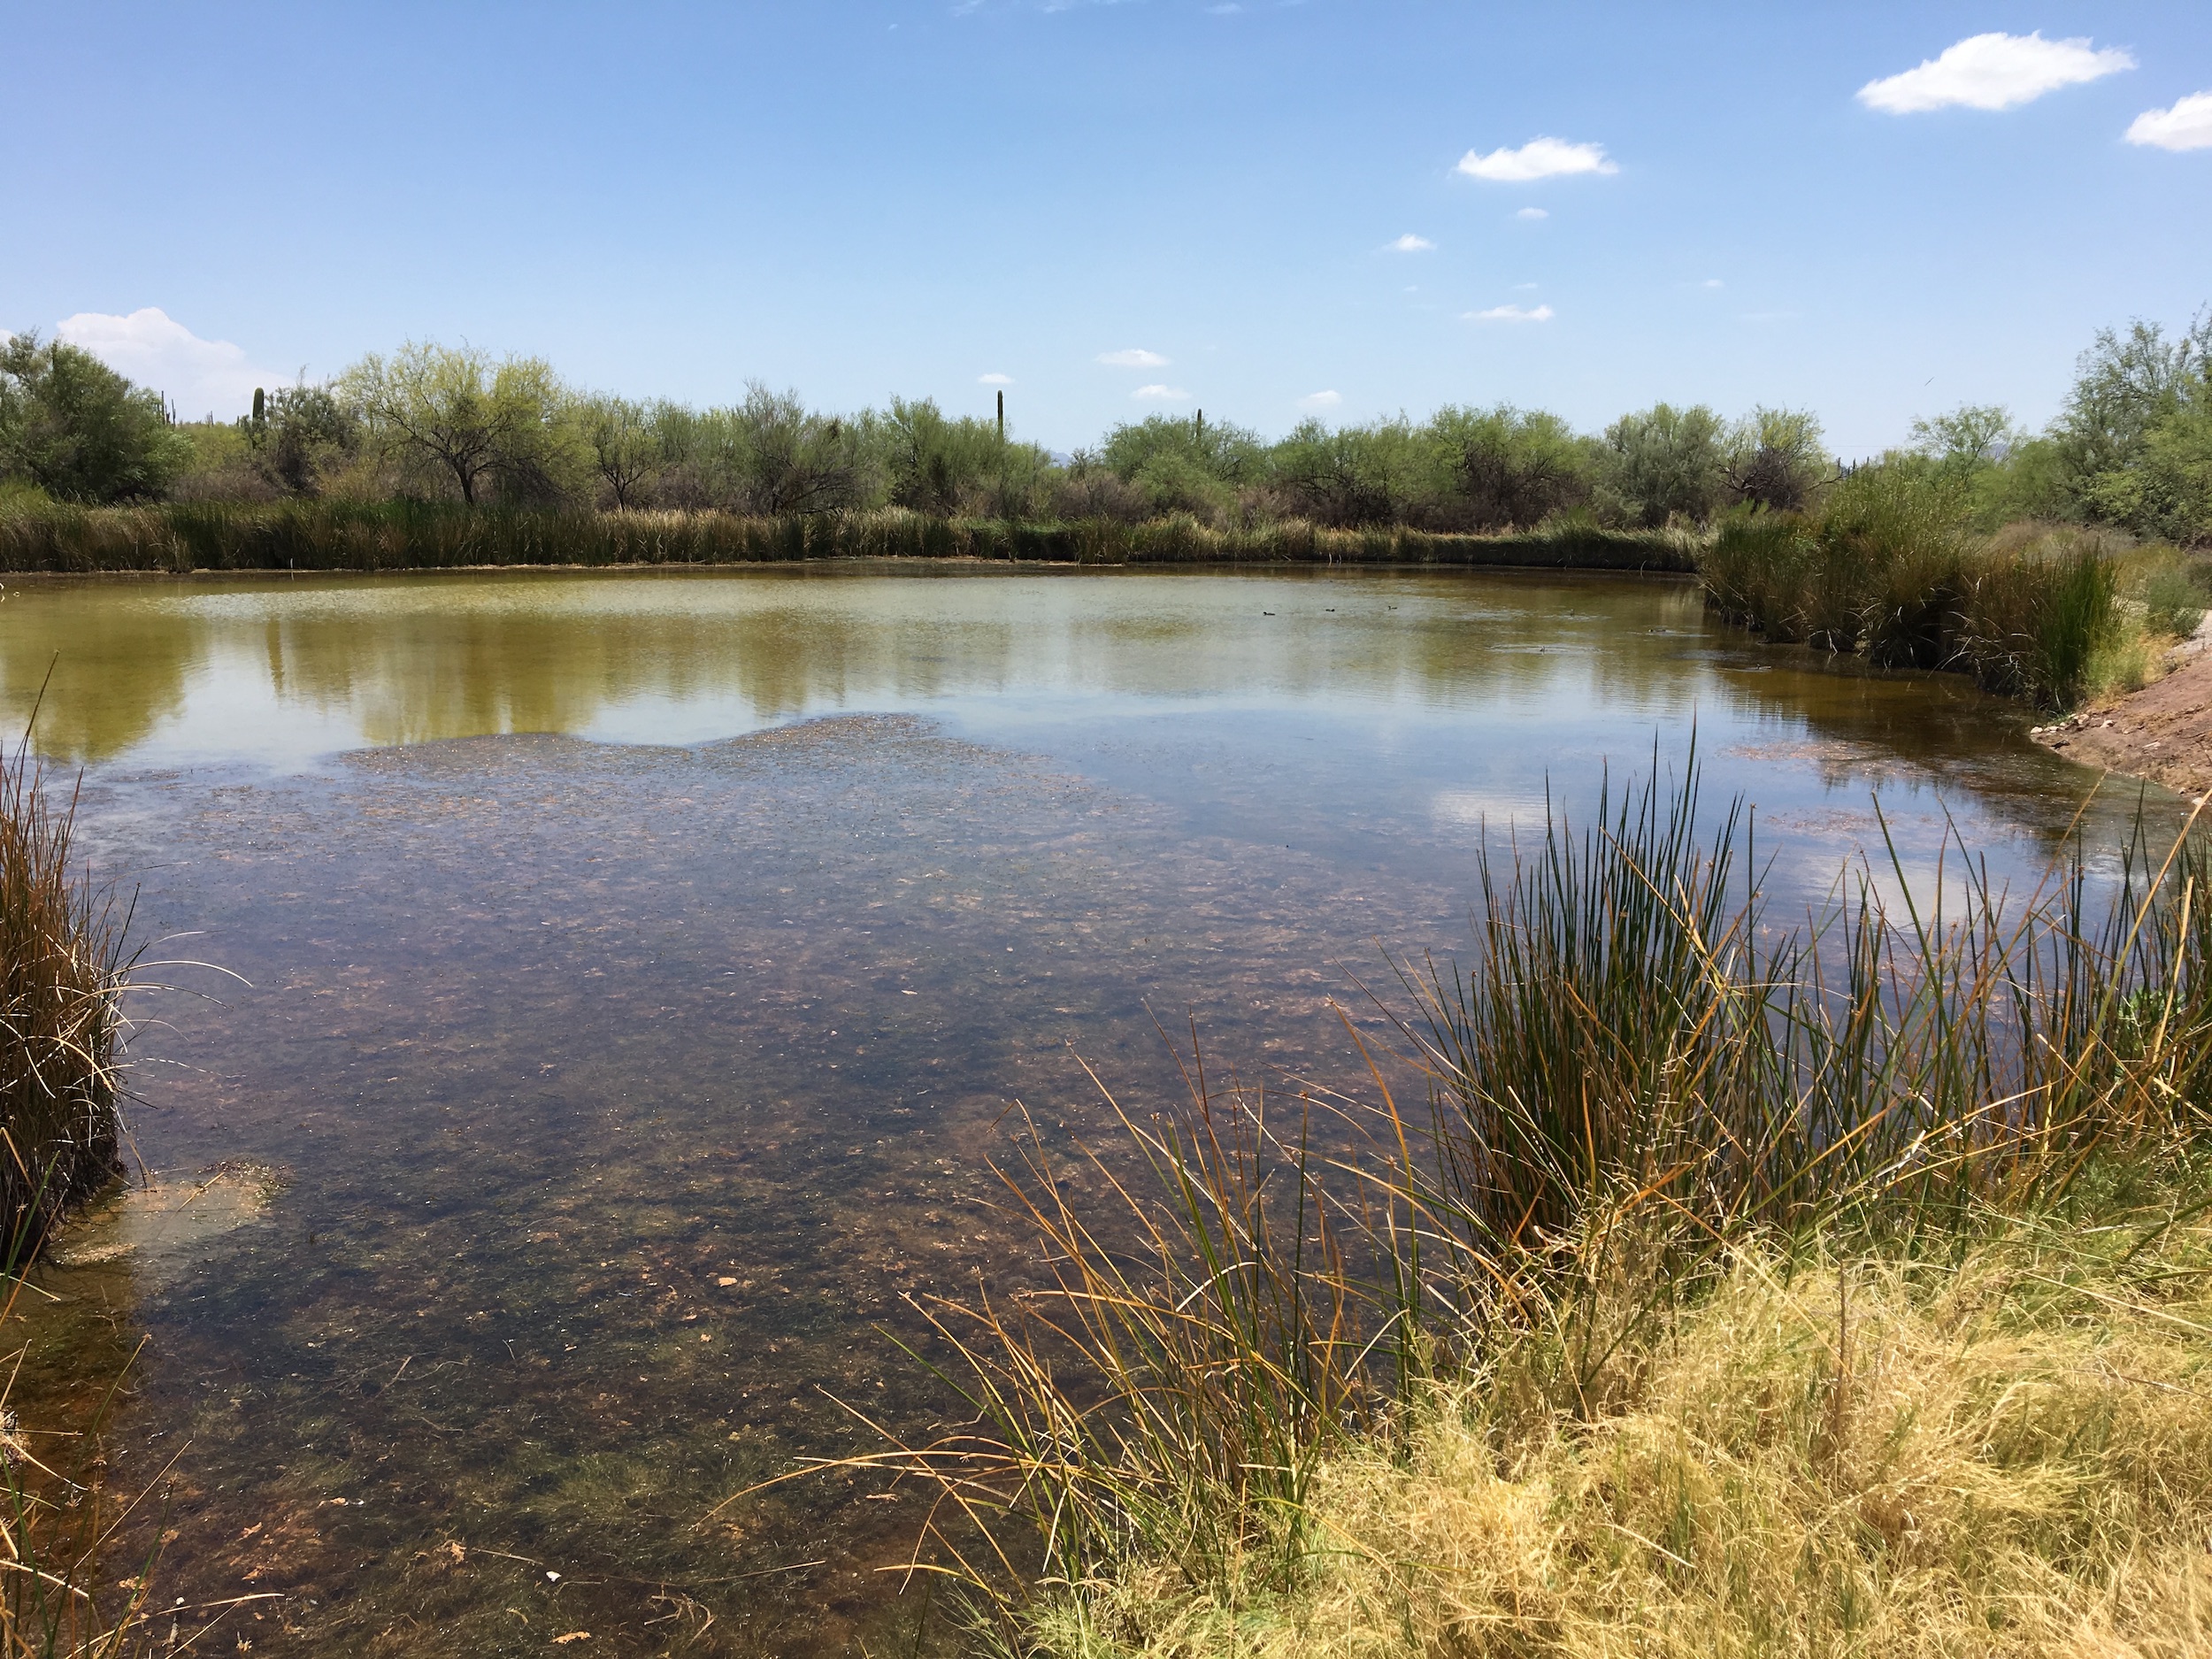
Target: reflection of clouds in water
1500,811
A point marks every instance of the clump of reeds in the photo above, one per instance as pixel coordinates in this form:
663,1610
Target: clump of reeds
1638,1092
63,970
1907,589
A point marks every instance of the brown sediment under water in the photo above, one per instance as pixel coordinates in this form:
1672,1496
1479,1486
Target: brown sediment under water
639,965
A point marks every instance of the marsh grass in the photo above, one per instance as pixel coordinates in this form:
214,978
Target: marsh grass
64,967
392,535
2038,616
1646,1108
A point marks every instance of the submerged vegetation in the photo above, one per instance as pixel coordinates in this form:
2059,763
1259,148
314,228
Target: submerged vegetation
1738,1290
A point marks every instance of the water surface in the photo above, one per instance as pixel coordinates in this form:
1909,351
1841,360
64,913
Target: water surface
640,962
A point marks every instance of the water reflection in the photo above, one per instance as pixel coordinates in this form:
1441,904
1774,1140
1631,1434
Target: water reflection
209,669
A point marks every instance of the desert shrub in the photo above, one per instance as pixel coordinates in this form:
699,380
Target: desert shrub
1664,463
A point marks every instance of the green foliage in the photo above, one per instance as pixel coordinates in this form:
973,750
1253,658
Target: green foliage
1228,455
937,463
1352,476
2135,439
1969,438
1890,568
80,431
1504,467
1664,465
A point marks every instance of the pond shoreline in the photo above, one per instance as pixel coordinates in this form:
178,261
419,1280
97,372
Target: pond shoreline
2162,732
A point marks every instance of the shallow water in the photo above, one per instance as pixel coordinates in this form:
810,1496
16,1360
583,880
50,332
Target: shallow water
639,964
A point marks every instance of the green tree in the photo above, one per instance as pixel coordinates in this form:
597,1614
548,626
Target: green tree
80,431
1664,462
789,459
455,412
2123,384
1968,438
1502,468
1225,453
627,449
1353,475
938,463
1776,460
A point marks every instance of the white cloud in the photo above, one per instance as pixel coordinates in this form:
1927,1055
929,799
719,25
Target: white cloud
1711,283
1994,72
1134,357
2188,125
1511,314
1411,243
1162,393
199,376
1532,213
1539,158
994,379
1320,400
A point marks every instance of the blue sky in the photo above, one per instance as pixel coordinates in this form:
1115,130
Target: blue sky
880,196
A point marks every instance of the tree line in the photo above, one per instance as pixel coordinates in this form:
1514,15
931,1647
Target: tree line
2131,448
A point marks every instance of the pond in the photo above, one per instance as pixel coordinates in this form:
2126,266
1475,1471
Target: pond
636,967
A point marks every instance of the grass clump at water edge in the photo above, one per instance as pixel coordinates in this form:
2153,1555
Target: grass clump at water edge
64,968
1737,1290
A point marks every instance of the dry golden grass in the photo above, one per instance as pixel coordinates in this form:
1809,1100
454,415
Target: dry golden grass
2006,1455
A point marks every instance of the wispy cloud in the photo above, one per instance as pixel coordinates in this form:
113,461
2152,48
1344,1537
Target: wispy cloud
150,347
1162,393
1511,314
1318,401
1712,282
2188,125
1994,72
1539,158
1133,357
1411,243
994,379
1533,212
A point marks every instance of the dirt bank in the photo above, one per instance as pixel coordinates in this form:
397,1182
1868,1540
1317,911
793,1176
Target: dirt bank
2162,732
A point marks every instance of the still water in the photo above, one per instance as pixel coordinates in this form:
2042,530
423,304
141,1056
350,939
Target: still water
635,967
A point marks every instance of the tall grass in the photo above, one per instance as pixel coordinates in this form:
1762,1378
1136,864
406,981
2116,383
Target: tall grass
63,965
390,535
1896,579
1638,1086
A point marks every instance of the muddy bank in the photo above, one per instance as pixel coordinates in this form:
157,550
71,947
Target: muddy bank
2163,732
